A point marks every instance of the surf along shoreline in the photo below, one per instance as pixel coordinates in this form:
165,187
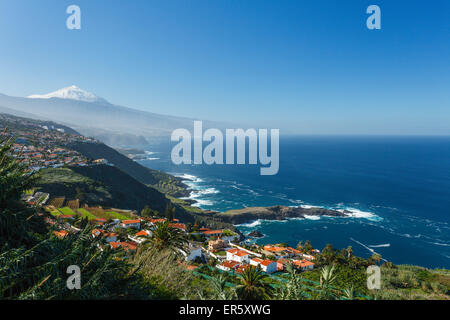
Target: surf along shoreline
250,215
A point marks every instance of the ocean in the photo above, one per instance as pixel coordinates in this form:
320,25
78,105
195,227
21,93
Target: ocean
397,188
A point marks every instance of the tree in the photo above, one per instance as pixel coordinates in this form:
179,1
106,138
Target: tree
167,237
349,252
375,259
17,222
146,212
252,285
170,212
307,246
219,288
15,177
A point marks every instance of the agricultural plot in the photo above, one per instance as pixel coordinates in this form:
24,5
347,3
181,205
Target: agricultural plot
73,204
67,211
57,202
102,214
115,215
84,213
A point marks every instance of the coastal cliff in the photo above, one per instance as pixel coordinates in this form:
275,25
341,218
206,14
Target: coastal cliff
250,214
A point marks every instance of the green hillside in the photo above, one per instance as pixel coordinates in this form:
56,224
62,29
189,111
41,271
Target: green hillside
162,181
101,185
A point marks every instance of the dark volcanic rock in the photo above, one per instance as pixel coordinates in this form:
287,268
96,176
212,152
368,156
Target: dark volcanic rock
274,213
255,234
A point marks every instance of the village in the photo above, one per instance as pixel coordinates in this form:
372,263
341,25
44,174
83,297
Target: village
125,230
44,146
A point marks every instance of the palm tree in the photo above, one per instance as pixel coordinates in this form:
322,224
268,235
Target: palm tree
170,212
253,286
349,252
219,285
15,177
375,258
327,278
167,237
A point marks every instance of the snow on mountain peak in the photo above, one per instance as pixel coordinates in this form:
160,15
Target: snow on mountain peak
71,93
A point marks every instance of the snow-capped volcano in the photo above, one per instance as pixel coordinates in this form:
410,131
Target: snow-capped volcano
71,93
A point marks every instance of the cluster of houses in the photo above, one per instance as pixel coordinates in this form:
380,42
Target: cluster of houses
40,146
268,258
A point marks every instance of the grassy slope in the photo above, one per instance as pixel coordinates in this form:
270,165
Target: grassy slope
164,182
101,185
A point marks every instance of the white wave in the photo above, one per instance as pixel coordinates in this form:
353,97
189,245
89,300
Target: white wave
201,192
251,224
440,244
312,217
149,152
385,245
356,213
308,206
189,177
201,202
152,159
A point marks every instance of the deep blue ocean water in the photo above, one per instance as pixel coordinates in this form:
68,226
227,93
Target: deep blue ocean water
398,189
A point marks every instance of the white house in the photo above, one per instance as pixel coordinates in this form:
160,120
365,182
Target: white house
304,265
193,253
267,266
238,255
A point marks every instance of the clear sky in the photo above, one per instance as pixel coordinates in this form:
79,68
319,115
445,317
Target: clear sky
303,66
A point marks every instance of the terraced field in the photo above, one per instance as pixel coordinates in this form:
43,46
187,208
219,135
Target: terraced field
57,202
92,213
67,211
84,213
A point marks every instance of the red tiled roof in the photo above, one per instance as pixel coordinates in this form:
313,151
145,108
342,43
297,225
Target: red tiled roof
115,244
212,232
230,264
267,262
129,245
303,263
258,260
131,221
61,233
178,226
237,252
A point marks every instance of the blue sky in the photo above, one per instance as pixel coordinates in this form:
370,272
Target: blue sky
302,66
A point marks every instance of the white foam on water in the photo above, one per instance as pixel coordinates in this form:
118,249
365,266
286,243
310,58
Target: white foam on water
312,217
201,202
356,213
385,245
251,224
